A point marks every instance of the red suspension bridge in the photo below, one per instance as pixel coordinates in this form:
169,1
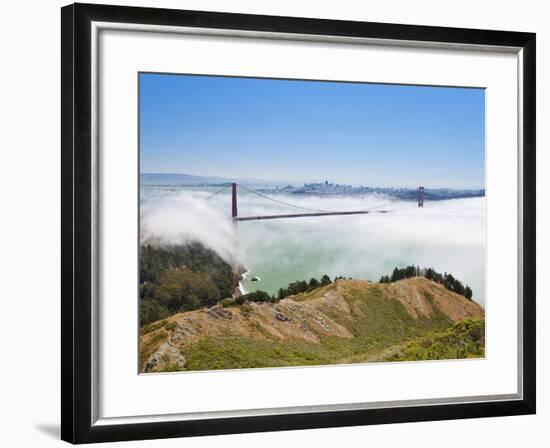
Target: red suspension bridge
252,205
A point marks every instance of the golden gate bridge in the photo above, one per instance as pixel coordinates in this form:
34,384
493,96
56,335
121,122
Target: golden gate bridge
275,208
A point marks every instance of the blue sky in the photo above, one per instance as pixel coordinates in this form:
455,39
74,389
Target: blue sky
355,133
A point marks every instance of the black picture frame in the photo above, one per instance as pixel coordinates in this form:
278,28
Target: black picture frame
76,219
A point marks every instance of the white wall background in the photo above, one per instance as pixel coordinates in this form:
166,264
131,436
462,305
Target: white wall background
30,210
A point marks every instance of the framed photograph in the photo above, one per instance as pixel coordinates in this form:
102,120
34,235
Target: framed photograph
275,223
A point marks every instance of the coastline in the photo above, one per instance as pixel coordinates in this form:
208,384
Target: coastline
240,289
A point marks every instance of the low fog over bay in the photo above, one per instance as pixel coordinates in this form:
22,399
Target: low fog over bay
448,235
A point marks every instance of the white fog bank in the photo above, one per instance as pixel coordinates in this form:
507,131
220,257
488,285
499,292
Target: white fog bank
446,235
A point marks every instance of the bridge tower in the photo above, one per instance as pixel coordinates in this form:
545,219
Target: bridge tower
421,196
234,213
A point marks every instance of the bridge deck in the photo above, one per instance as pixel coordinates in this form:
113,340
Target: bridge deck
305,215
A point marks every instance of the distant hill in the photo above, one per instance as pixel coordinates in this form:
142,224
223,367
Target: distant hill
190,179
177,179
345,322
435,194
403,194
322,189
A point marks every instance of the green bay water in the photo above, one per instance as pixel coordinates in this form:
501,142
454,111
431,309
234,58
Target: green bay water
282,251
277,266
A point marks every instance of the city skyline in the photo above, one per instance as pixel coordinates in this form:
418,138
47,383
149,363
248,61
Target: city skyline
311,131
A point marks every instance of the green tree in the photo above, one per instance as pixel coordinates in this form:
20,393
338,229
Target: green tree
155,260
446,279
256,296
325,280
313,283
181,289
151,311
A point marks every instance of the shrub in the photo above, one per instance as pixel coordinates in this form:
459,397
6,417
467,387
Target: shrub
465,339
256,296
171,325
227,302
152,327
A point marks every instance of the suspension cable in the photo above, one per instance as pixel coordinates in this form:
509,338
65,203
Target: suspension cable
217,192
283,202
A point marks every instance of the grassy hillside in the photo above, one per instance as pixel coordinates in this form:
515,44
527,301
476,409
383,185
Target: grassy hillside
345,322
465,339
